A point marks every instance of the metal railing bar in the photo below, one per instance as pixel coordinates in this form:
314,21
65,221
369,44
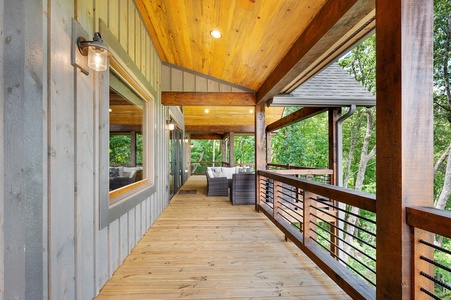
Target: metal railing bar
436,247
333,254
435,280
290,210
349,254
344,221
439,265
429,294
344,210
347,243
344,231
292,203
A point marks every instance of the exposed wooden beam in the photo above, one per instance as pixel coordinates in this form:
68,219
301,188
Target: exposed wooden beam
205,136
219,128
299,115
206,98
328,26
404,141
125,128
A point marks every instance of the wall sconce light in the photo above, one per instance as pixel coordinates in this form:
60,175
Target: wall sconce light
95,50
170,123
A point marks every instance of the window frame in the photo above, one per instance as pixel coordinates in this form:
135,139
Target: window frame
121,201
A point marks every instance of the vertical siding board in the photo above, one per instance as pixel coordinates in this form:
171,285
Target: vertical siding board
143,49
138,40
176,80
113,17
84,187
189,82
131,229
85,15
201,84
2,159
131,29
101,236
113,245
138,222
123,23
101,12
61,160
165,78
213,86
123,231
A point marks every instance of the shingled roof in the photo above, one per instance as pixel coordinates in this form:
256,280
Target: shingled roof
332,87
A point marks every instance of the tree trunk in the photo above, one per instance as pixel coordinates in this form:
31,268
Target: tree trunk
355,134
443,198
200,159
365,157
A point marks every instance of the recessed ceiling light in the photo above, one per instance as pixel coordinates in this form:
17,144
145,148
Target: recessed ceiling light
251,111
111,110
216,34
207,111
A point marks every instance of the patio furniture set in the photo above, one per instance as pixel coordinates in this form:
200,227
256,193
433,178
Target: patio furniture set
240,181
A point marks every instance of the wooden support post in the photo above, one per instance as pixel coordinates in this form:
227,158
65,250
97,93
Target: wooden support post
334,115
224,150
260,159
404,135
232,149
307,217
268,148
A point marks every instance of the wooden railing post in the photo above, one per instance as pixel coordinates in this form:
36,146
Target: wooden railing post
258,191
308,219
277,188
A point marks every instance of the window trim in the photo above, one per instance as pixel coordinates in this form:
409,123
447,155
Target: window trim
124,67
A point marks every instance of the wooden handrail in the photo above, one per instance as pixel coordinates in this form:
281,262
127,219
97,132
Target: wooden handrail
431,219
355,198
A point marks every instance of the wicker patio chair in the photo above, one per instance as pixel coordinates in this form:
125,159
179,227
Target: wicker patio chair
217,186
242,190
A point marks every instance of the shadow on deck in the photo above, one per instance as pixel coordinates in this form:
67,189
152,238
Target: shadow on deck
204,248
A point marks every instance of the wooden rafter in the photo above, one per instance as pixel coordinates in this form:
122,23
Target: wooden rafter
208,98
331,23
299,115
206,136
219,128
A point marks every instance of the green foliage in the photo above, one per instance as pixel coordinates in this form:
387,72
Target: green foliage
304,143
120,149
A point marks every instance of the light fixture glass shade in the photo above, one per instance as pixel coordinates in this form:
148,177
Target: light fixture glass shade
97,58
171,126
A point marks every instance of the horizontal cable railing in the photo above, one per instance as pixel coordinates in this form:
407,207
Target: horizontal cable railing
335,227
432,263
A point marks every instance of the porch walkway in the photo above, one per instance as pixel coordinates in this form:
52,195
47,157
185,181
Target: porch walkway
204,248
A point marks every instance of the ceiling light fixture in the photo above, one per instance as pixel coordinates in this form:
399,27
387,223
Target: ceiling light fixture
251,111
216,34
207,111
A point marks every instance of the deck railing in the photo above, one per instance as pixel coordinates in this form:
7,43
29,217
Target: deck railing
314,215
432,277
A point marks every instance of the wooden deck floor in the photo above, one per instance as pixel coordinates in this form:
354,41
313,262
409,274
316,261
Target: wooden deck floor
204,248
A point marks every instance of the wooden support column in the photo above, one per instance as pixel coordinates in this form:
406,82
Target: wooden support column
268,148
404,135
232,148
334,115
260,131
224,149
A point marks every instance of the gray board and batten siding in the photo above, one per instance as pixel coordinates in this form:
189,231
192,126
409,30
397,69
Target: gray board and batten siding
51,243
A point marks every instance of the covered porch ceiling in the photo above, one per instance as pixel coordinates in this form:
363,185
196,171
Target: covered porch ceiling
268,47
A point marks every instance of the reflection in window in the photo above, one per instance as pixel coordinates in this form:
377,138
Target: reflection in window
126,138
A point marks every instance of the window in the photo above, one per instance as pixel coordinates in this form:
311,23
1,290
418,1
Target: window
127,116
126,136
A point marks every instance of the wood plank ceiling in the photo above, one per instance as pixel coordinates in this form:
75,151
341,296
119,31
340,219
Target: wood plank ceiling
267,46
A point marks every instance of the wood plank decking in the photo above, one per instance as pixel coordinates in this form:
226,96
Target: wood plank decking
204,248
